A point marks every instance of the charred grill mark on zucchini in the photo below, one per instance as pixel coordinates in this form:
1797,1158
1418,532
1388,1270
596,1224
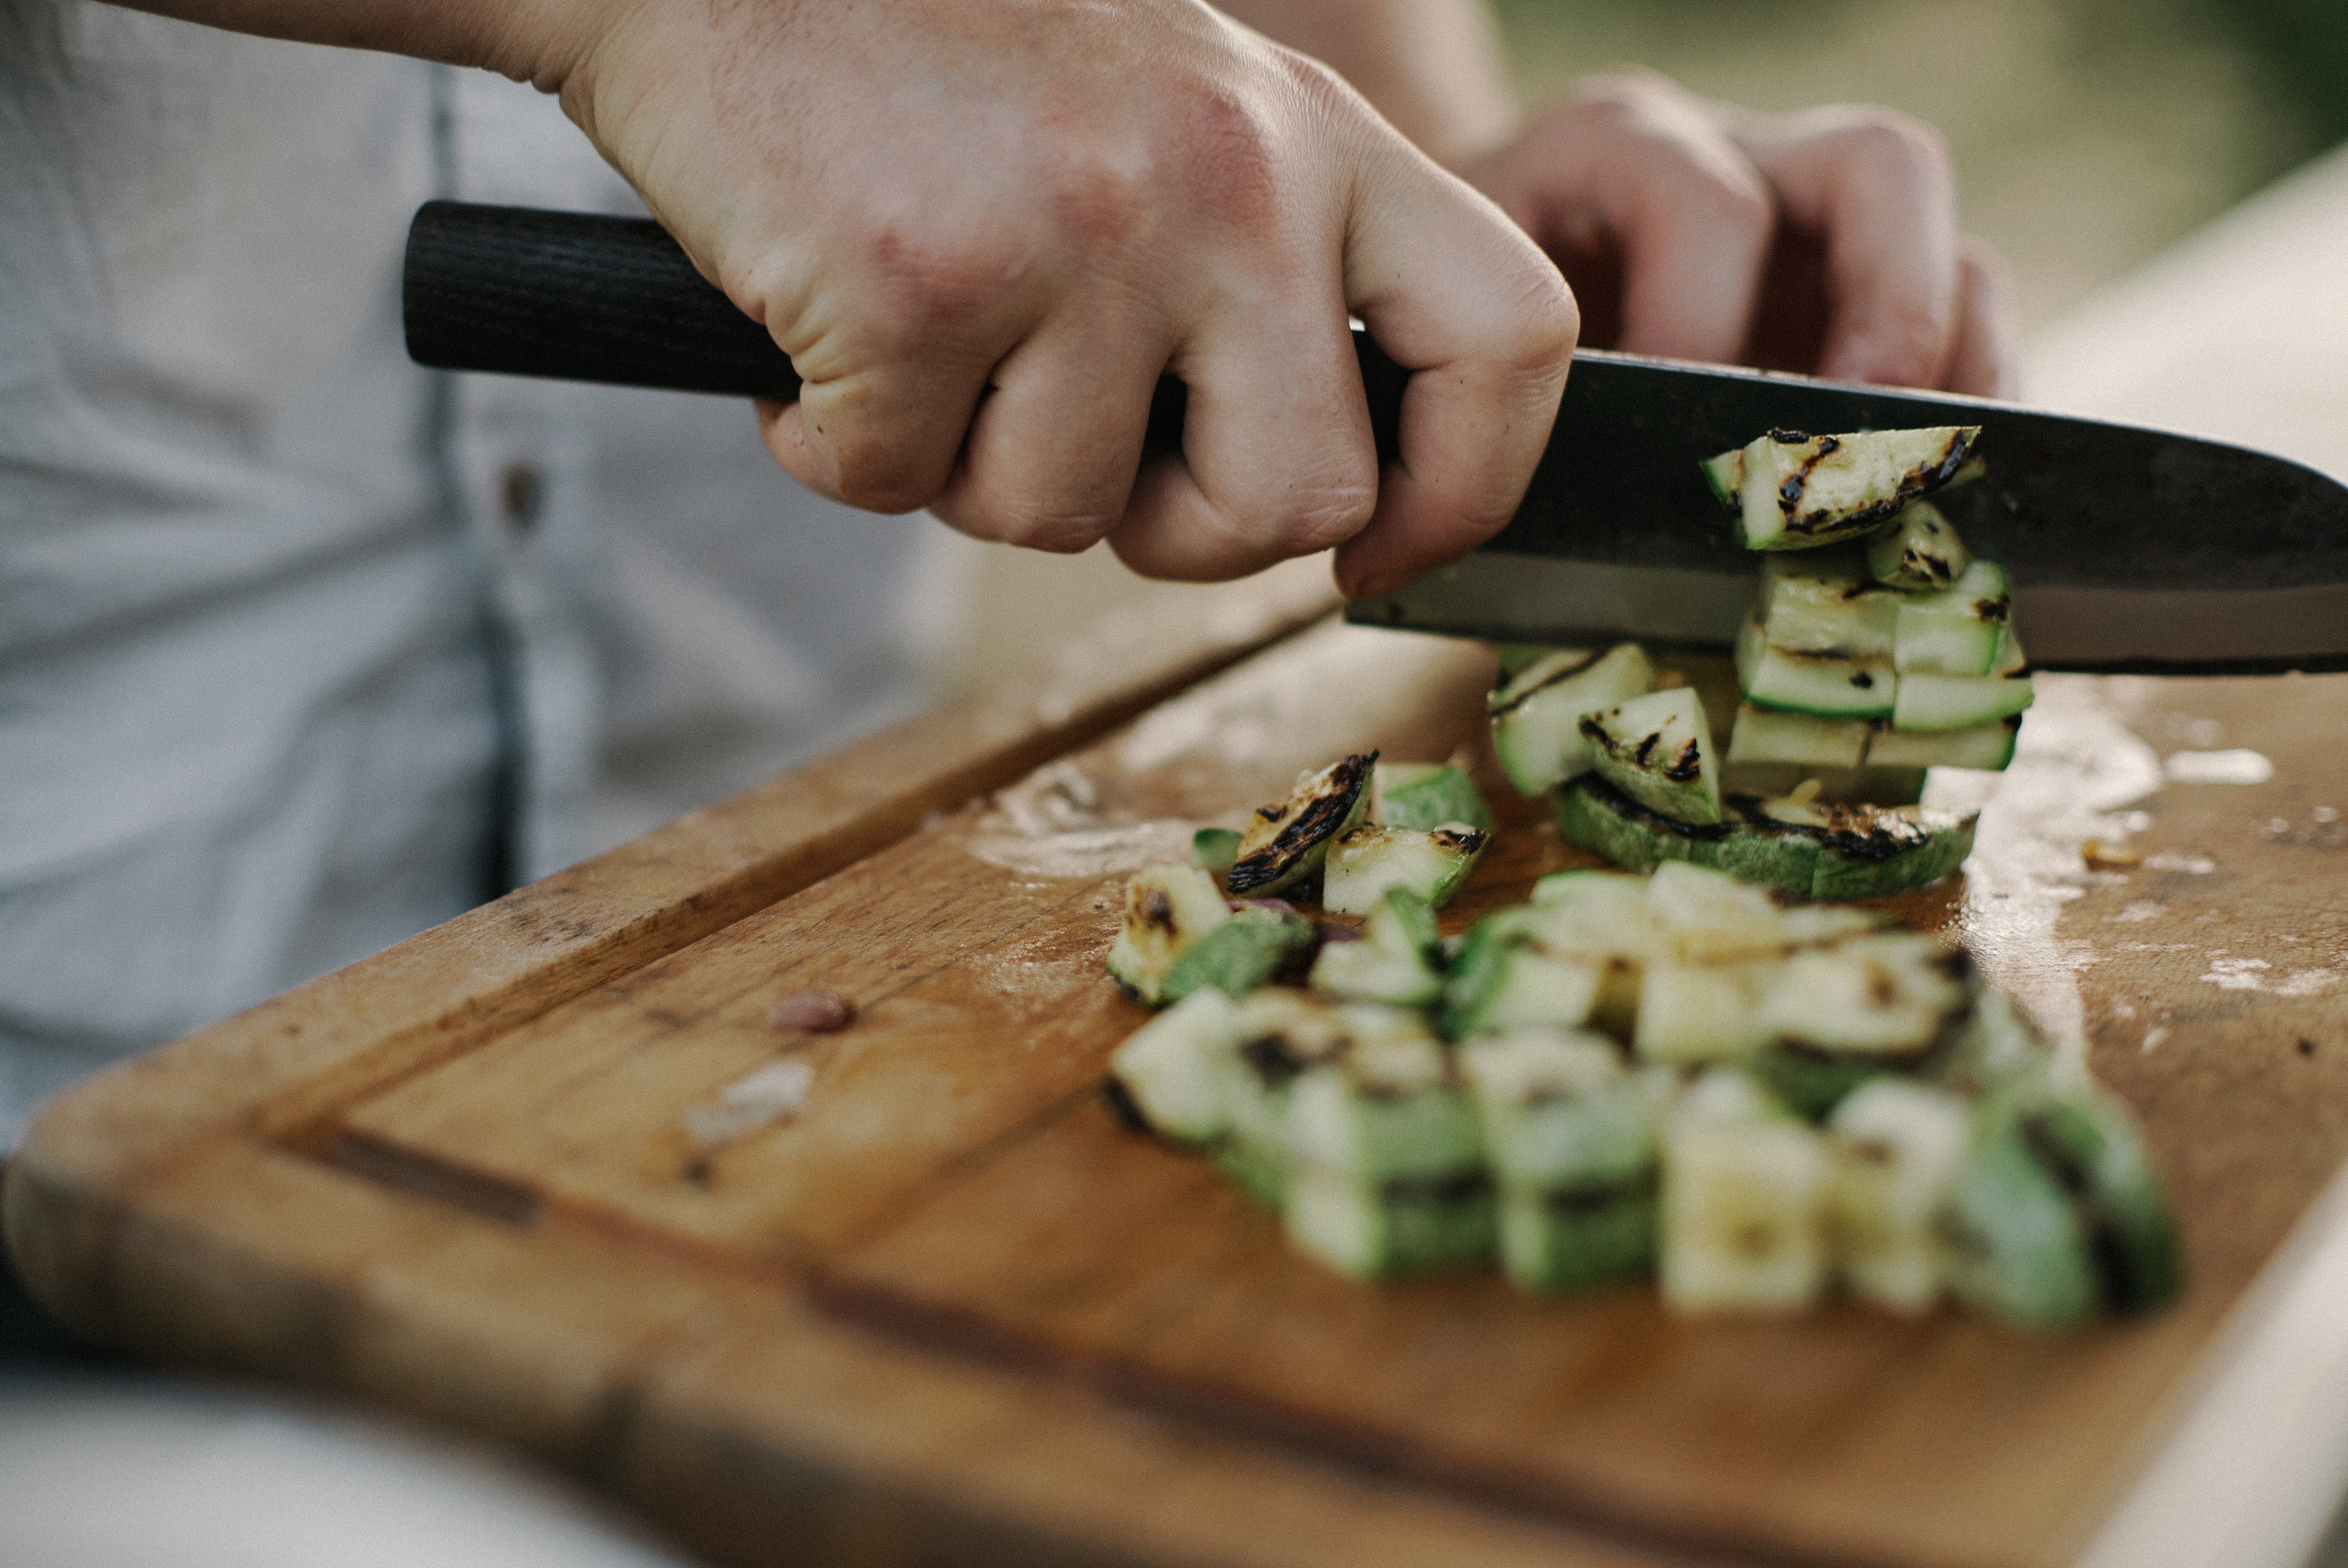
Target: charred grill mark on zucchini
1918,482
1597,1197
1563,673
1310,828
1789,492
1687,766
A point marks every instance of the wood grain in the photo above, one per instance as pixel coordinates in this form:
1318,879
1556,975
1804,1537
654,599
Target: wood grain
947,1311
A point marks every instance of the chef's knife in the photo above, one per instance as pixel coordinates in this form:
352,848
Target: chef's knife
2131,550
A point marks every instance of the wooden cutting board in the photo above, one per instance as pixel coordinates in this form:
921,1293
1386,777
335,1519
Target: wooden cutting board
947,1311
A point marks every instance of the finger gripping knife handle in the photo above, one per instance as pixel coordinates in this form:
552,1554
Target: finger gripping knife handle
579,296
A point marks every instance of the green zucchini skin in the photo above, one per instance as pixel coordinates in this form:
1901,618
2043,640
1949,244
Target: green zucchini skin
1381,1231
1856,852
1215,850
1253,948
1428,796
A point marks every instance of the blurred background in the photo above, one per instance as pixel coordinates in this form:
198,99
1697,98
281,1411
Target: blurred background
2088,135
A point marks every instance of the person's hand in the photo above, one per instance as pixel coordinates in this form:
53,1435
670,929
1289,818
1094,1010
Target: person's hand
982,231
1824,242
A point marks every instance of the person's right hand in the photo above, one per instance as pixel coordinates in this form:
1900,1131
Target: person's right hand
983,229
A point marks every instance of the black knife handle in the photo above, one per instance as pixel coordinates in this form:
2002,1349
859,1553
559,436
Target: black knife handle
578,296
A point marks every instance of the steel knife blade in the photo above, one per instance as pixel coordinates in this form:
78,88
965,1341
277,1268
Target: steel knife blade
2132,550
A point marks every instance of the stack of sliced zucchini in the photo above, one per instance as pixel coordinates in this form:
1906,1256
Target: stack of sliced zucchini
1671,1075
1890,648
1878,648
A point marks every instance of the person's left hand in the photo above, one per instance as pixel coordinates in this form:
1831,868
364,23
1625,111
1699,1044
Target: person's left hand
1824,242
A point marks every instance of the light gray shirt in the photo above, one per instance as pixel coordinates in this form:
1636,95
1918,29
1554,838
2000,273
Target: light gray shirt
304,649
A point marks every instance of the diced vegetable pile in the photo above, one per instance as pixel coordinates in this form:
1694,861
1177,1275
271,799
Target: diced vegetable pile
1629,1075
1673,1073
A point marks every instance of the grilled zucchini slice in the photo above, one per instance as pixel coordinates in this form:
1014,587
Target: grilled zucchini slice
1366,861
1955,630
1172,1070
1938,702
1768,735
1986,747
1826,602
1897,1147
1824,685
1743,1202
1378,1230
1571,1141
1810,850
1426,795
1798,490
1537,713
1284,847
1251,949
1919,552
1166,908
1657,750
1398,962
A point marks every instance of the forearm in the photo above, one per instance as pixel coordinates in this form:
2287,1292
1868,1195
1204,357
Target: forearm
522,39
1433,68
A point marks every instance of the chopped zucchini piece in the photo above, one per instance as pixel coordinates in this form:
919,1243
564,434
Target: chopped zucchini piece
1572,1140
1744,1201
1376,1231
1427,795
1253,948
1726,476
1885,995
1897,1146
1365,861
1503,979
1537,713
2091,1143
1704,915
1986,747
1826,602
1389,1109
1919,552
1690,1014
1822,684
1811,1083
1166,908
1285,845
1399,963
1937,702
1953,631
2010,660
1996,1047
1656,749
1172,1069
1214,848
2016,1246
1801,490
1810,850
1866,852
1282,1036
1767,735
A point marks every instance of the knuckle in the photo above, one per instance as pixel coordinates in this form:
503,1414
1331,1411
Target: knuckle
1054,531
928,275
1544,321
1897,144
1311,517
